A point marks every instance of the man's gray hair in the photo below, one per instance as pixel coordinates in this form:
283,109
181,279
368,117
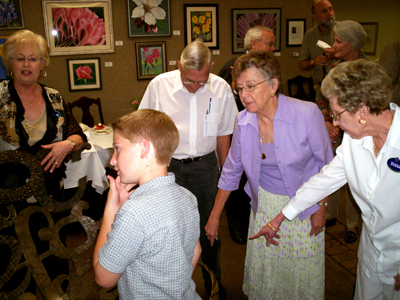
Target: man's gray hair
351,32
196,56
254,33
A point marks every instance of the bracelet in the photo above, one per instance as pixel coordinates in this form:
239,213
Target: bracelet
270,226
72,143
323,203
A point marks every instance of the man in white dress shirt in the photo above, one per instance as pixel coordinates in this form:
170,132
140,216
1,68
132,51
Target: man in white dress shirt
203,108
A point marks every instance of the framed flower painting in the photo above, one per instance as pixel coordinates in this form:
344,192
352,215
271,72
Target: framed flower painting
244,19
150,59
84,74
78,27
149,18
11,14
201,23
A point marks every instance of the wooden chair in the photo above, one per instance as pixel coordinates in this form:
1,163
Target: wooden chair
84,103
300,93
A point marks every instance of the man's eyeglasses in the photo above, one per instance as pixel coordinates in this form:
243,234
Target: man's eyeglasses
269,43
248,87
335,116
31,59
202,83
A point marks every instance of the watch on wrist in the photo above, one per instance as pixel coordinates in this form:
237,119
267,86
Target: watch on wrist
73,143
323,203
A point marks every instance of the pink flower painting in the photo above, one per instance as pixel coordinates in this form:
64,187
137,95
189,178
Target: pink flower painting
151,61
247,21
78,27
84,72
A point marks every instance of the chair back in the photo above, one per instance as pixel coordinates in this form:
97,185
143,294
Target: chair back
300,81
84,103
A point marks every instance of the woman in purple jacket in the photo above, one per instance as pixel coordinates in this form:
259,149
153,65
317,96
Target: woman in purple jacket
280,143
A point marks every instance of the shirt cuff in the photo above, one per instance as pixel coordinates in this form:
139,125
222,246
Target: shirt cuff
290,212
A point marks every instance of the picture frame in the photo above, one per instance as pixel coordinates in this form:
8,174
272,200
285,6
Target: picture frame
201,21
371,28
137,25
3,69
244,19
95,15
151,59
11,13
295,29
84,74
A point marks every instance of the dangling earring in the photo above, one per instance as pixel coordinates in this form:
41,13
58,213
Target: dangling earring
362,121
12,73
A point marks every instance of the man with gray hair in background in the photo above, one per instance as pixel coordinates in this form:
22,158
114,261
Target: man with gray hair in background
203,108
313,57
238,204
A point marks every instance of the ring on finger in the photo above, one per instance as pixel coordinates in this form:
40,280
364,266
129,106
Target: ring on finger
56,163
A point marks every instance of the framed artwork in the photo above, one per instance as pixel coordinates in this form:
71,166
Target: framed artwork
78,27
11,15
244,19
84,74
3,70
295,32
201,22
371,28
150,59
149,20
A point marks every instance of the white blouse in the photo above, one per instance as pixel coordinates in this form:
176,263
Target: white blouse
375,185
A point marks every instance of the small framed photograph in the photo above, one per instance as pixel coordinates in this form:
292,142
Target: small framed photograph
150,59
11,15
78,27
84,74
144,20
371,28
295,32
201,22
244,19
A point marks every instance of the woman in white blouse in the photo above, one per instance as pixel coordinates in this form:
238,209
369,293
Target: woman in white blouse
359,93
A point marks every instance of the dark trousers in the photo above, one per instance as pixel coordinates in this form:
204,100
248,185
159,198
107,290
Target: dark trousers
238,209
201,178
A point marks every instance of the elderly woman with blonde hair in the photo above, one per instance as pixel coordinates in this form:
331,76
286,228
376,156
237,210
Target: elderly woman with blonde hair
34,116
359,93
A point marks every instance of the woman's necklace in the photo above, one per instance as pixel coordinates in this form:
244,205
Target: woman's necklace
375,149
30,103
263,155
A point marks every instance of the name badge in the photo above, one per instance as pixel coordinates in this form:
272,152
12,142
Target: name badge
394,164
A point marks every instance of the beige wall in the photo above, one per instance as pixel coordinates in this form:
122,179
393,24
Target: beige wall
120,84
385,12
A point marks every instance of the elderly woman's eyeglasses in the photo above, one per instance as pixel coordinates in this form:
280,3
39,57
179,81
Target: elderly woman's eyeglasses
202,83
248,87
335,116
31,59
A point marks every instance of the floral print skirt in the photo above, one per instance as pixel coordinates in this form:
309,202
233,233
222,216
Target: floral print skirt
293,270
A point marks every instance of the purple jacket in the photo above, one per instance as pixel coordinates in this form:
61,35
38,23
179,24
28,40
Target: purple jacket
302,148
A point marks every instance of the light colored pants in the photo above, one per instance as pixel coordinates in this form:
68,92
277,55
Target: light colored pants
372,289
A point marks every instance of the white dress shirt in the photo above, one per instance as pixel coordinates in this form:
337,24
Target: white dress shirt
199,120
376,189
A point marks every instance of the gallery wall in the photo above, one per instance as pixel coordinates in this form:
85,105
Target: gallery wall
119,82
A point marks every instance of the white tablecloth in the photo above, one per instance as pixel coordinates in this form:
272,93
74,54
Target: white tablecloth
93,163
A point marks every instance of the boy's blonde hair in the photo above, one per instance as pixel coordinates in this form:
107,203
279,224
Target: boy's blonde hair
153,125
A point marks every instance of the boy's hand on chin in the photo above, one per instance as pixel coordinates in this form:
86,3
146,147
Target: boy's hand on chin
119,192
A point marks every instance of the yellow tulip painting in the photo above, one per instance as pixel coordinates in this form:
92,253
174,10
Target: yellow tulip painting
201,24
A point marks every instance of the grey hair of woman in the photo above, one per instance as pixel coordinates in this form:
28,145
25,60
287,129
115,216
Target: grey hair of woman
351,32
359,82
254,33
265,62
